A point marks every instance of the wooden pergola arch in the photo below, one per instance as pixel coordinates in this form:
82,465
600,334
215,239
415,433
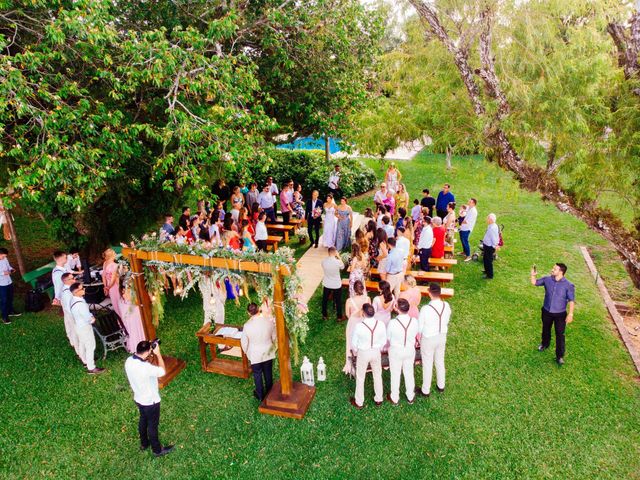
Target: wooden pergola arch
287,398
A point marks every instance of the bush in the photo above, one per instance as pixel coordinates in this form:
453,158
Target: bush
310,168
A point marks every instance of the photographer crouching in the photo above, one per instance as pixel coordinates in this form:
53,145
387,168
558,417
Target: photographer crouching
143,378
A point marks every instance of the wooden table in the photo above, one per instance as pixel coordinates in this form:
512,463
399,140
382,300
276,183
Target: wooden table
234,368
279,228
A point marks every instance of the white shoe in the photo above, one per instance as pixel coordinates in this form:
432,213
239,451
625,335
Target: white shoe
468,259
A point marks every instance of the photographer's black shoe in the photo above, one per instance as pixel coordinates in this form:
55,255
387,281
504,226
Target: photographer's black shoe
165,451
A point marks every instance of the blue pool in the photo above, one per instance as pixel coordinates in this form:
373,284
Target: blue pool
310,143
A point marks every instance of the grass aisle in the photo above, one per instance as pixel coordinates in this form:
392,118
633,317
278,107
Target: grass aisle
508,411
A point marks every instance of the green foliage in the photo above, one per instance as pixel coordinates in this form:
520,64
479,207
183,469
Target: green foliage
309,168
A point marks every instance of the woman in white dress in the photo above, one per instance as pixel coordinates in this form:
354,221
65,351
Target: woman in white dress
330,223
353,310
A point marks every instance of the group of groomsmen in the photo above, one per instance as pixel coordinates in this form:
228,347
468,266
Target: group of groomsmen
400,336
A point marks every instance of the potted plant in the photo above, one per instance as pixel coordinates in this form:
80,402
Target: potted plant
303,234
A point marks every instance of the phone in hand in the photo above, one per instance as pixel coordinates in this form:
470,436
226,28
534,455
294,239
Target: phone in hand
534,269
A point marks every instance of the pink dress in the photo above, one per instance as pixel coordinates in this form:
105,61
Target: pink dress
383,314
133,323
114,291
413,296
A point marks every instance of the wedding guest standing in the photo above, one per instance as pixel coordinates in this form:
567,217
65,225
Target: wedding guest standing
285,204
110,279
84,320
412,295
261,232
384,303
489,245
298,202
444,198
434,325
353,309
343,227
69,325
401,334
60,258
439,233
425,244
6,288
428,201
258,338
334,182
131,319
167,226
369,337
357,268
313,215
392,177
331,283
558,294
401,197
466,227
266,203
251,196
183,221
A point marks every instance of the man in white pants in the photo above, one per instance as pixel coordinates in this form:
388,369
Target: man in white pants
434,322
401,333
83,321
69,324
369,336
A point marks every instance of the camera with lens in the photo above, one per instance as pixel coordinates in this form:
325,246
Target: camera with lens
155,343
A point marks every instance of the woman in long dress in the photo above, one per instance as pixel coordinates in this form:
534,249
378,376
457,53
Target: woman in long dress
402,197
330,223
412,295
392,177
298,202
345,218
357,268
383,252
384,303
110,279
131,320
353,310
449,223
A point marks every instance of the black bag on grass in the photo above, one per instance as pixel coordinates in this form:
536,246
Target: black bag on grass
34,301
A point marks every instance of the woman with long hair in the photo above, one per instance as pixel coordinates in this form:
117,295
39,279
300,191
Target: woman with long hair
384,303
402,197
370,236
383,252
131,319
298,202
111,279
330,223
357,267
392,177
353,310
412,295
248,244
449,223
345,219
230,237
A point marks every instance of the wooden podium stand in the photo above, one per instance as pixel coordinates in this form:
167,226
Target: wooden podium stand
286,398
225,366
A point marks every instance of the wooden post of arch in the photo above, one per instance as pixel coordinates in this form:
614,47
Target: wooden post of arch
286,398
173,366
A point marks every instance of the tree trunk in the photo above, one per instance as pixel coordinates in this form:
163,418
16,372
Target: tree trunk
327,149
15,242
449,154
530,176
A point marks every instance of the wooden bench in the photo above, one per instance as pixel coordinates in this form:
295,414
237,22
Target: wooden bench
445,263
448,249
32,277
279,228
296,222
273,241
419,275
370,285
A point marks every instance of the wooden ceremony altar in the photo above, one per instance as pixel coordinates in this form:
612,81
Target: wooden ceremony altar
286,398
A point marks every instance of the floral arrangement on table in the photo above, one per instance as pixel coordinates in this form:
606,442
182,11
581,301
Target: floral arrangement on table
346,258
160,275
303,234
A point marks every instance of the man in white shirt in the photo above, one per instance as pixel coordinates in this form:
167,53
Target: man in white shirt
69,324
60,258
425,244
258,343
6,288
266,202
332,283
434,322
143,379
273,189
261,232
334,183
401,333
83,320
466,228
369,336
490,243
388,227
403,243
73,261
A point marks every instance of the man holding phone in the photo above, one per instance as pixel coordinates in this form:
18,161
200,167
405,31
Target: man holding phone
143,378
6,288
559,293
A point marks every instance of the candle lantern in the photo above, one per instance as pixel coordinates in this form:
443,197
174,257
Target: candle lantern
306,372
322,370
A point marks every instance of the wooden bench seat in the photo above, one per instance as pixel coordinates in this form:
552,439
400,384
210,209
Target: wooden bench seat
370,285
279,228
296,222
419,275
447,249
445,263
273,241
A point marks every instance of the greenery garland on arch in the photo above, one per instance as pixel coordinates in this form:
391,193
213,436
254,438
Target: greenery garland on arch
188,276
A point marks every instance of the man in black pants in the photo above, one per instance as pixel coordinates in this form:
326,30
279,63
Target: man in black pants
490,242
312,214
558,293
143,378
258,338
332,284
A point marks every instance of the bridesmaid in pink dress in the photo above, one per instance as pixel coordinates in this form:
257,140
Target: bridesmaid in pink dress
384,303
412,295
110,279
132,320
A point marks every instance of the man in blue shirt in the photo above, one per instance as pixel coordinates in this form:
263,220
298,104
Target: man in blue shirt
444,198
395,267
558,293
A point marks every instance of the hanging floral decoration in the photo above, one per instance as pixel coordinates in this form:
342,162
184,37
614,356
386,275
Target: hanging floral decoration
160,276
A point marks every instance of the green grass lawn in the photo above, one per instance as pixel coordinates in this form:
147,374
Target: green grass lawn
508,410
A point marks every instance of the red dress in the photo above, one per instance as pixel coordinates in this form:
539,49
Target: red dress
438,248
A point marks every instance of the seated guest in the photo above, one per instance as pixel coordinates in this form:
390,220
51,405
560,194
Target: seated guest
248,244
230,237
388,228
439,233
402,333
215,227
73,261
390,203
368,339
258,338
353,309
381,211
411,294
380,195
